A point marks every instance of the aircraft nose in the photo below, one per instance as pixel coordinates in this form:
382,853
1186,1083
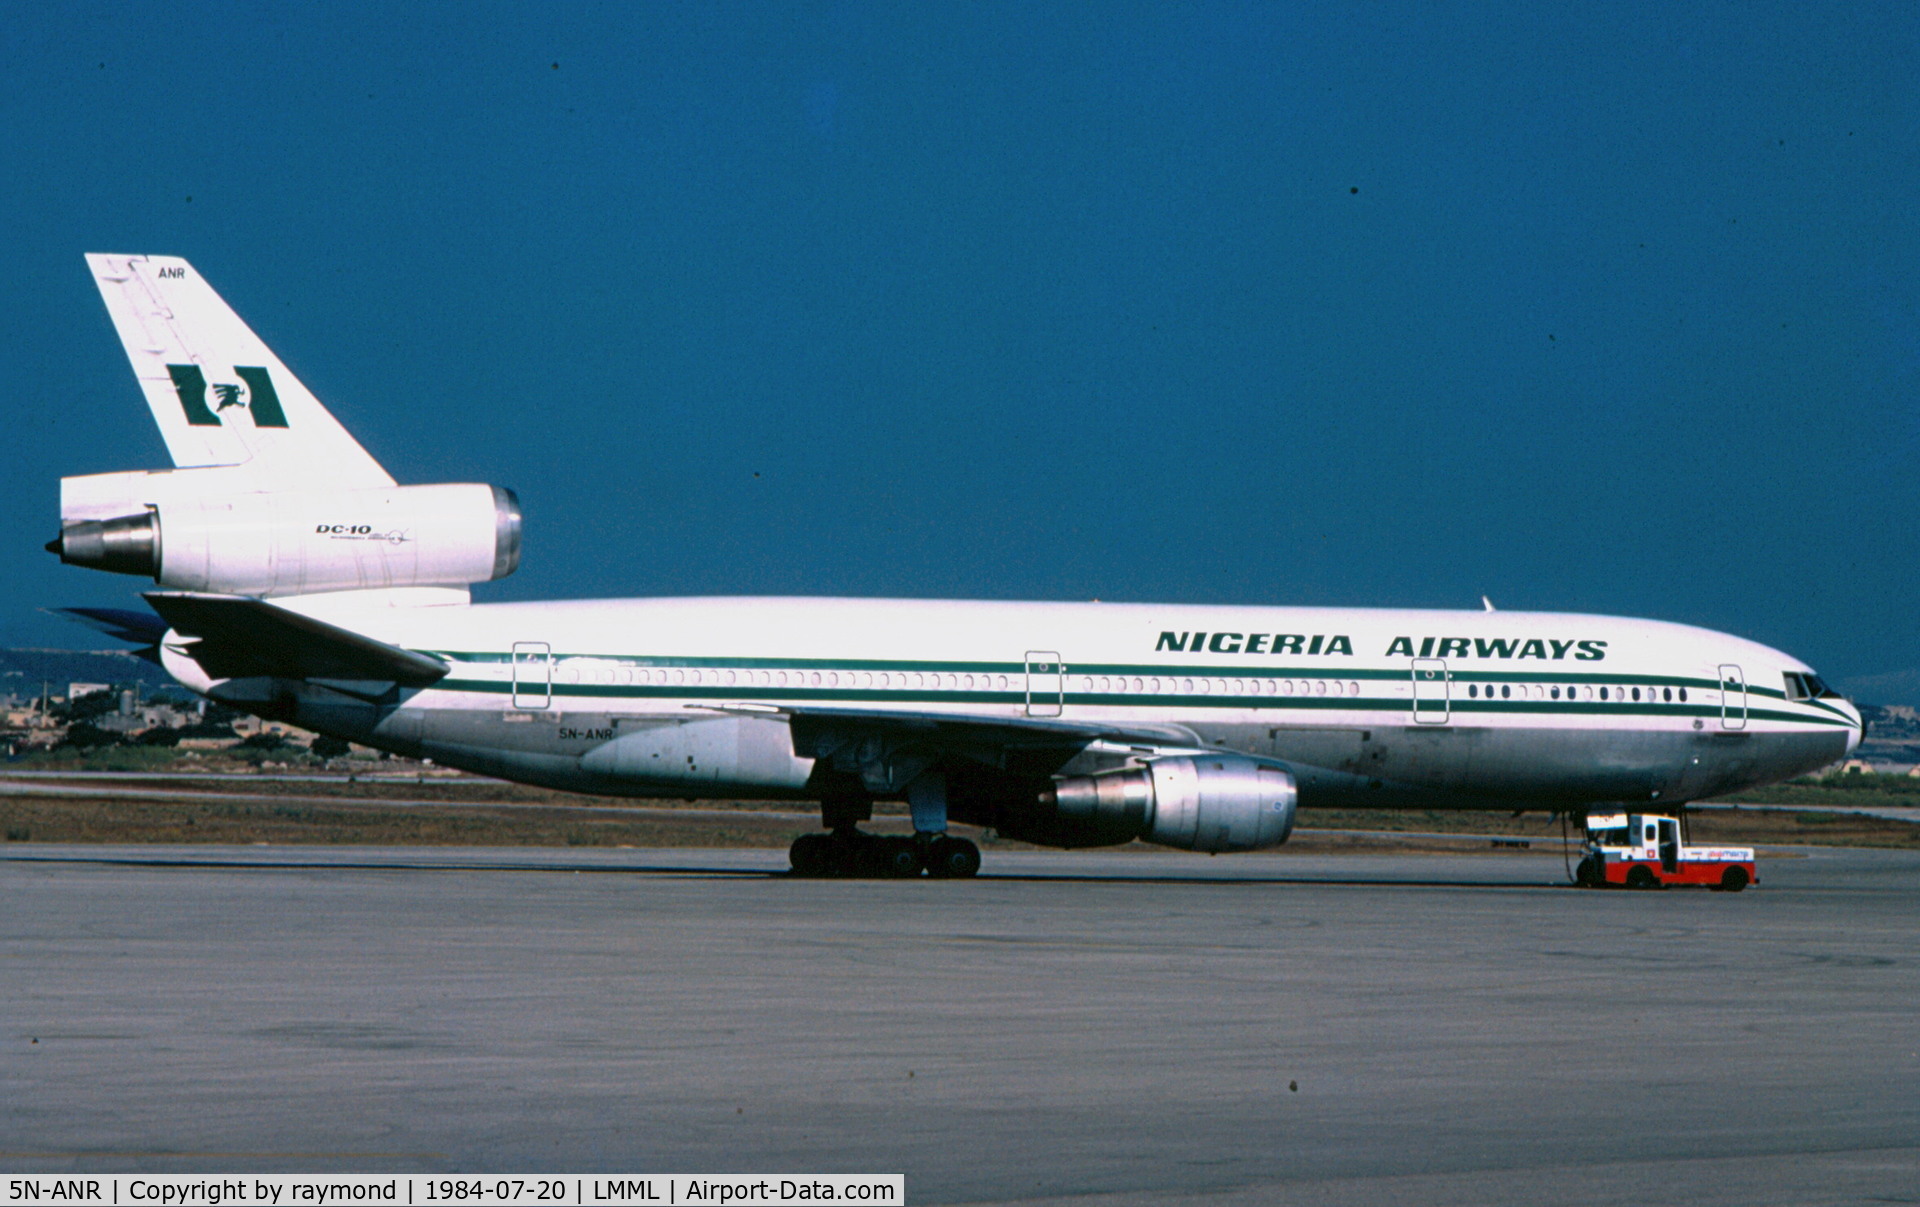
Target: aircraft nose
1858,733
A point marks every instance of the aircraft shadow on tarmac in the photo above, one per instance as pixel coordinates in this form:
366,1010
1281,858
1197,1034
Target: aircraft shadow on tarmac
692,871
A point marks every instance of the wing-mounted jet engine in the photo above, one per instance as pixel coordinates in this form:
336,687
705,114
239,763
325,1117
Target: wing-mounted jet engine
1195,802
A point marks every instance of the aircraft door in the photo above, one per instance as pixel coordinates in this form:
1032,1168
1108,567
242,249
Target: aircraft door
1046,683
1669,844
1733,698
1432,700
532,674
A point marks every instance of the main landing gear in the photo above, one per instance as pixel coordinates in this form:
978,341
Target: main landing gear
852,853
848,852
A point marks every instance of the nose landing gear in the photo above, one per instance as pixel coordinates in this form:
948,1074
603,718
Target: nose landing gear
851,853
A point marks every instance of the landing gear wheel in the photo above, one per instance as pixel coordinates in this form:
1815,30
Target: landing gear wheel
1641,877
1587,873
1734,880
813,856
895,858
952,858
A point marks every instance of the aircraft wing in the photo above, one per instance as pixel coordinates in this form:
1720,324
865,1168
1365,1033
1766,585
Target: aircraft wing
238,637
887,748
995,731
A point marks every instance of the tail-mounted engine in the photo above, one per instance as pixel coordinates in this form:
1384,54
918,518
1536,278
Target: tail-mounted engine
1197,803
172,528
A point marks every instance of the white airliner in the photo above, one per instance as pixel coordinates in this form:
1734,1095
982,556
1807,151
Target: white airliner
299,582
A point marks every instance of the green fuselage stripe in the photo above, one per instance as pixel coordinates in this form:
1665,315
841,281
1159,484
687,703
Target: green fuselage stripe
1129,670
917,697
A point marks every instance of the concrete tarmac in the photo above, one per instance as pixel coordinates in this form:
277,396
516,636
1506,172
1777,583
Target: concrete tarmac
1111,1028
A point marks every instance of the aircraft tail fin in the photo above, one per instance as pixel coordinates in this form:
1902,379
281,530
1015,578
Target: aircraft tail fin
220,395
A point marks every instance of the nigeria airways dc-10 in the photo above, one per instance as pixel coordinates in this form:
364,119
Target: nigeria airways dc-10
298,581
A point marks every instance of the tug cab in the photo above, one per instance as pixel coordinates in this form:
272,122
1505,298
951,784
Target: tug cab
1650,850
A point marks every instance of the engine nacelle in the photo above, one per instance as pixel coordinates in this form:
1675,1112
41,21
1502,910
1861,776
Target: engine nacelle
293,542
1195,802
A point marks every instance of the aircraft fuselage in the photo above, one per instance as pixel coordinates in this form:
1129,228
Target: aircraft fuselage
688,697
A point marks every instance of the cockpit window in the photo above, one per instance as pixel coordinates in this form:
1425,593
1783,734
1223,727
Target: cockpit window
1805,685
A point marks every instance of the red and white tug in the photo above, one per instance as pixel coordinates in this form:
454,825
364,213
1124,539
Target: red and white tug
1649,850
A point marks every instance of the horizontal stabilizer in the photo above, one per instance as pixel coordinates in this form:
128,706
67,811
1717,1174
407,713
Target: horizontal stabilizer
140,628
237,637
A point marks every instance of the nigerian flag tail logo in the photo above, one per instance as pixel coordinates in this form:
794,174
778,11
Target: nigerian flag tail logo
256,397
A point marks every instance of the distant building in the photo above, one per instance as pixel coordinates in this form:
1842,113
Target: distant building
144,717
247,727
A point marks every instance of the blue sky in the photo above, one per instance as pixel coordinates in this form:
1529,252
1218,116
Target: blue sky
1611,310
